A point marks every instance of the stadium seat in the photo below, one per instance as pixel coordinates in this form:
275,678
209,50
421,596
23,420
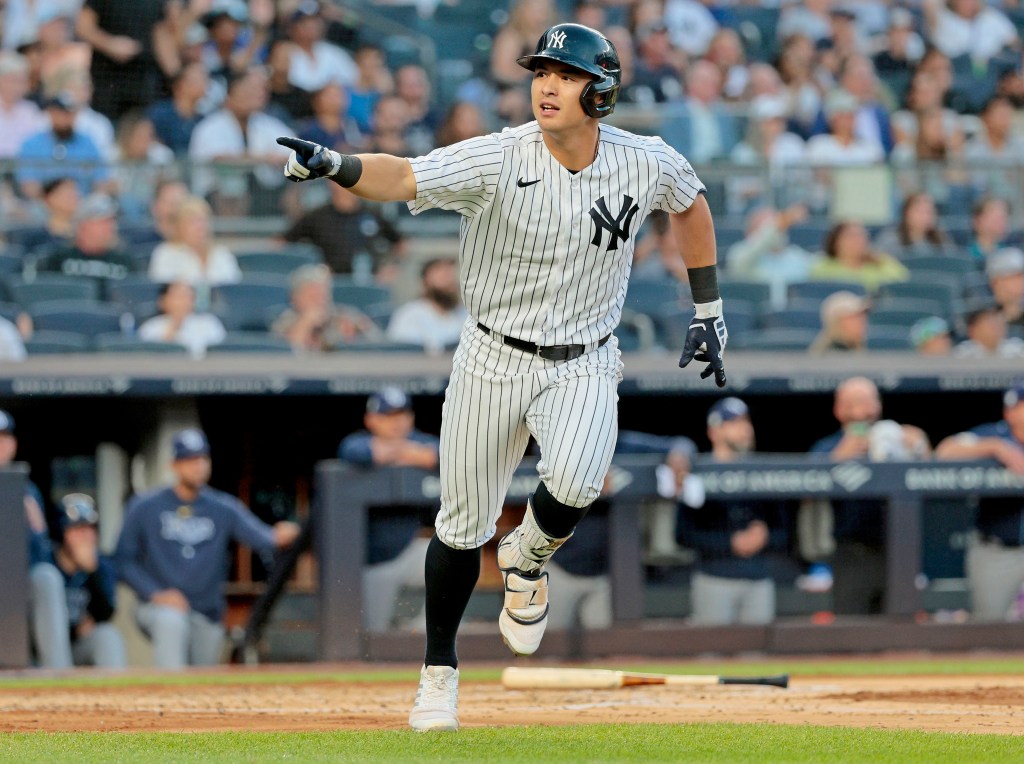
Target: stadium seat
918,304
10,311
775,339
903,317
46,287
80,317
888,338
380,313
243,306
359,295
756,293
45,342
756,27
10,266
115,342
649,297
281,263
132,290
251,342
957,266
819,290
940,291
809,237
380,346
792,318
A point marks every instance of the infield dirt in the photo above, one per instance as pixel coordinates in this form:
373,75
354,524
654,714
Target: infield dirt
983,703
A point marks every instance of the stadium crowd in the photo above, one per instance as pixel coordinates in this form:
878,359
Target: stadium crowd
857,137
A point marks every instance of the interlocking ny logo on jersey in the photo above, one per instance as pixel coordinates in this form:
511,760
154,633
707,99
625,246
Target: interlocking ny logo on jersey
617,226
555,39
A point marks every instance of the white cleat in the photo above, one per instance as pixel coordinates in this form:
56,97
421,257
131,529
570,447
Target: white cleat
437,700
524,615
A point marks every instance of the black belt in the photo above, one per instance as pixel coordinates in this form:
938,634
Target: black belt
547,352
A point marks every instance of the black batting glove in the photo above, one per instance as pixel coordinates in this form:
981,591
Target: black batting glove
309,160
706,340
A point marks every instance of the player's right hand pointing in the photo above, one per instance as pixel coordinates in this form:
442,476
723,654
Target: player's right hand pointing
706,340
309,160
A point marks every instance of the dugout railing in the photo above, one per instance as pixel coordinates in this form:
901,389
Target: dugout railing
345,496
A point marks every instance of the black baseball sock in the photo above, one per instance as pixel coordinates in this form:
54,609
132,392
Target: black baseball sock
555,518
450,575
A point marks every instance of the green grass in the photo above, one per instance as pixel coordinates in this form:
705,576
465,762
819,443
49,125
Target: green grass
796,666
717,743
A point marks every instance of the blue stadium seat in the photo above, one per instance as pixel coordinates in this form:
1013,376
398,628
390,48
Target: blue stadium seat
756,27
48,286
819,290
10,311
897,317
756,293
251,342
649,297
359,295
775,339
940,291
10,266
45,342
888,338
243,306
115,342
792,318
811,237
957,266
132,290
79,316
281,263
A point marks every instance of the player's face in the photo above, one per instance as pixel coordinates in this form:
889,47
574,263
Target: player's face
735,434
194,473
556,95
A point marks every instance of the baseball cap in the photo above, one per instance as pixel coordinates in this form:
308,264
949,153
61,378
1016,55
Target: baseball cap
78,509
1007,261
841,102
927,328
305,9
767,107
725,410
388,400
189,444
233,9
6,423
63,101
96,206
1014,395
840,304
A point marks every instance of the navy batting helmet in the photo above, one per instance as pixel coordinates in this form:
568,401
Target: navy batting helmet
590,51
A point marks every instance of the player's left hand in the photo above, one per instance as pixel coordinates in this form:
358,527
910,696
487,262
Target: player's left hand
308,160
706,340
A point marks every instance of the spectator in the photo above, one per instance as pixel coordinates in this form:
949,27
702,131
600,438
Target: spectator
767,142
731,582
192,255
933,160
708,130
844,324
931,336
141,161
123,68
998,150
841,145
413,86
903,47
844,41
871,121
38,535
809,19
12,345
657,76
969,27
235,39
918,233
314,62
924,95
176,117
19,117
527,20
95,253
849,257
1005,271
766,254
463,121
987,333
374,81
859,561
765,80
313,322
436,318
396,552
328,125
390,121
990,227
800,83
995,563
241,132
178,322
691,26
173,552
168,194
60,201
59,151
57,50
726,52
77,84
73,596
349,233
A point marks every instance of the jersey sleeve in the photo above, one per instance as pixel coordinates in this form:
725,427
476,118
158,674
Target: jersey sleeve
461,177
678,184
248,529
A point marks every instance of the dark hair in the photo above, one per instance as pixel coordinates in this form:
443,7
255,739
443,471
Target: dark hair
981,205
52,185
832,238
995,101
435,261
933,235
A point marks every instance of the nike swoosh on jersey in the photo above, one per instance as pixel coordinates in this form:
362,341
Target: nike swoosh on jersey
524,183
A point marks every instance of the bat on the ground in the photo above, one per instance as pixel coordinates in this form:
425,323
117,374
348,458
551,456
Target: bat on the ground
604,679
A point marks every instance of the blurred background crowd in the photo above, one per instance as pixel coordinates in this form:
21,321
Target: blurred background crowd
870,148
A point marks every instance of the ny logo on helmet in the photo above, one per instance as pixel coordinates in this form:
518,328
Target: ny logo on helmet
617,226
556,39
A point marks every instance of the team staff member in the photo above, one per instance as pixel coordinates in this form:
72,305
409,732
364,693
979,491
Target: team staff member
995,557
173,551
550,214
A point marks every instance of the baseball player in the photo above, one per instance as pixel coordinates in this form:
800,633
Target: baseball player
550,214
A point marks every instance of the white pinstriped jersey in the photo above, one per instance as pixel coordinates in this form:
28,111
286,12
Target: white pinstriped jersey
545,254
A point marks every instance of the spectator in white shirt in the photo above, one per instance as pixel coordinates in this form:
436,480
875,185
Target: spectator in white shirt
435,319
314,62
841,146
986,334
12,347
19,117
997,150
77,81
192,256
970,27
180,324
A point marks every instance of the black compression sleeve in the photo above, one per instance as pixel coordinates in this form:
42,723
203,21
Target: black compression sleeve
704,283
350,172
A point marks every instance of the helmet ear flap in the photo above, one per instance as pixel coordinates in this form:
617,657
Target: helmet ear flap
598,97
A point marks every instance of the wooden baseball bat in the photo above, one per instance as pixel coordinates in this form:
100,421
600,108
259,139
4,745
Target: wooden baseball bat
603,679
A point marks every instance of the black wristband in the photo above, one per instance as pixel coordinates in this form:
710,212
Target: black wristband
704,284
350,172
